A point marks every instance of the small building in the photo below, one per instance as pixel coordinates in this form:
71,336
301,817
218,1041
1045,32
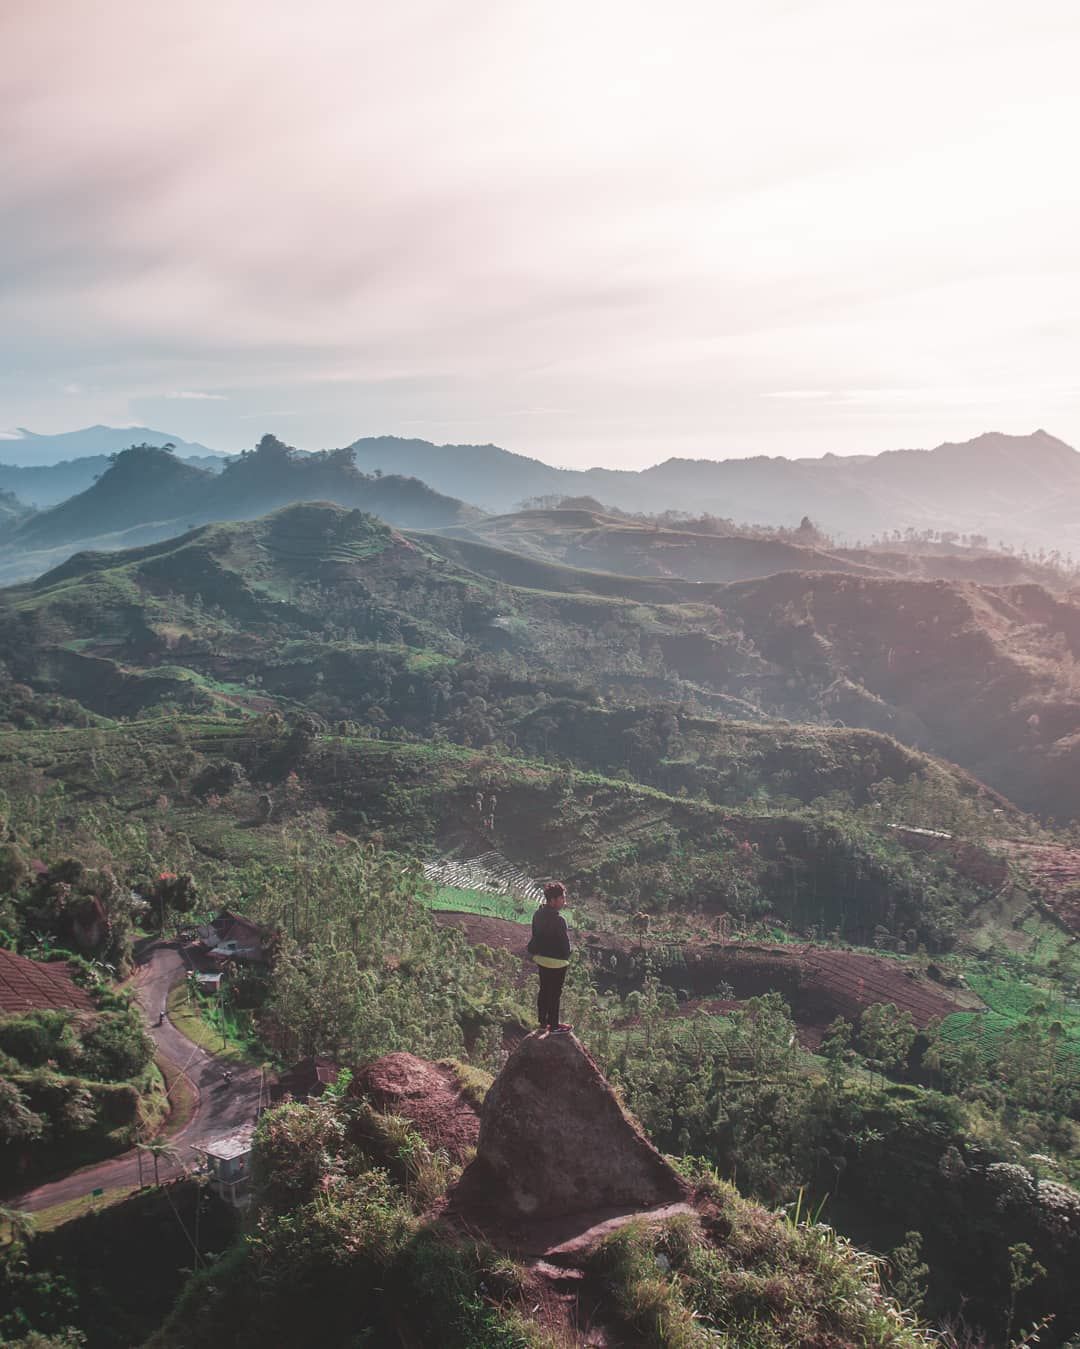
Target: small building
231,936
228,1164
305,1081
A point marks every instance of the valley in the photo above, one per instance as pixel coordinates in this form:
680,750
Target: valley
814,807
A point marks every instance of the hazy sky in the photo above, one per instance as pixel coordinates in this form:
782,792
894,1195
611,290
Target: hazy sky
599,232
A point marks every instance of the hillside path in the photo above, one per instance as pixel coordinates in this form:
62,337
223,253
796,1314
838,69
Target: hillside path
218,1107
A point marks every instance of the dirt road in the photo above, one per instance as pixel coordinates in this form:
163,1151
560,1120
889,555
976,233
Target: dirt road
218,1108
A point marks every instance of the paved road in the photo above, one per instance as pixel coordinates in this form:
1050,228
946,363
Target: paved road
218,1107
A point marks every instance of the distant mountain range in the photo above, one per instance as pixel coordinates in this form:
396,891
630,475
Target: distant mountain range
147,494
1022,489
29,450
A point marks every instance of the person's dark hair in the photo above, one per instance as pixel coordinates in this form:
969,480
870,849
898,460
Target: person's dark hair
554,890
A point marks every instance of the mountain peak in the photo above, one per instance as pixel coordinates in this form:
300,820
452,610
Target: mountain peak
31,450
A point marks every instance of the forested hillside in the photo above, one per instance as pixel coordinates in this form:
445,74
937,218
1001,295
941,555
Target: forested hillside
815,930
147,493
295,603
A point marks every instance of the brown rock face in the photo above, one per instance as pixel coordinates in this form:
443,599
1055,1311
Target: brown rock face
555,1141
424,1093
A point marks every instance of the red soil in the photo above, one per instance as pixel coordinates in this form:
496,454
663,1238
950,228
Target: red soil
1055,872
820,984
425,1093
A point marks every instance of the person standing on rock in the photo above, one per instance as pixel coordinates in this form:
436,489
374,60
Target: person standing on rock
549,947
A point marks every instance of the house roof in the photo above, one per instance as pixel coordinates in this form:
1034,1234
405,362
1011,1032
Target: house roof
230,1145
307,1078
29,984
235,927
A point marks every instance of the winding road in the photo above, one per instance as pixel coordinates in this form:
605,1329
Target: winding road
218,1107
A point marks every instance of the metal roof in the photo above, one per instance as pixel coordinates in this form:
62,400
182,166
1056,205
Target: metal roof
229,1145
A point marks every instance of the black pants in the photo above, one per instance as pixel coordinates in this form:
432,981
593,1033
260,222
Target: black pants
547,1001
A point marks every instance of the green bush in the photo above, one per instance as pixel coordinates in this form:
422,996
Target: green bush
26,1040
117,1047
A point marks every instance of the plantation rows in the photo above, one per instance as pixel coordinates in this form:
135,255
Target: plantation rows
990,1031
490,872
451,899
1010,1002
861,980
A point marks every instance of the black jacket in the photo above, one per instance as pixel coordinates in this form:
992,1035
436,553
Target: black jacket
549,935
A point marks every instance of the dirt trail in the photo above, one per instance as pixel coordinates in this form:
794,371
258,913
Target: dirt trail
218,1107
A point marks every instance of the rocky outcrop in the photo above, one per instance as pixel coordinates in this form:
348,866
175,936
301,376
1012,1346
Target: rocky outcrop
427,1095
554,1141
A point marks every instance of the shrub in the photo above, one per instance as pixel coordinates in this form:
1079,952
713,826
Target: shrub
295,1151
18,1123
117,1046
26,1040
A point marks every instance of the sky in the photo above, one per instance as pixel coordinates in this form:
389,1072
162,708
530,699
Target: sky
601,233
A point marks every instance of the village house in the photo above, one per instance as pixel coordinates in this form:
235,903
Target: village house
231,936
305,1081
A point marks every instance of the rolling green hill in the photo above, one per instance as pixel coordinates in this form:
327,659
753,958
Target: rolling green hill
599,542
147,494
332,611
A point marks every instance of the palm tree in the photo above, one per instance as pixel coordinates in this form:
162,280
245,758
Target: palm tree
22,1226
160,1150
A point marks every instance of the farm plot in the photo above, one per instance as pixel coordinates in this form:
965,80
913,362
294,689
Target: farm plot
1009,1002
489,885
452,899
1055,871
856,981
489,872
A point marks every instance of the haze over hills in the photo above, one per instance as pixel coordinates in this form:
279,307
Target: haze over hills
1016,488
1021,490
582,537
148,494
983,676
599,542
28,449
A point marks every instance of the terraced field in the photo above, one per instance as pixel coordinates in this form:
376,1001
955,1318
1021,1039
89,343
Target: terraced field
490,872
1009,1002
488,886
451,899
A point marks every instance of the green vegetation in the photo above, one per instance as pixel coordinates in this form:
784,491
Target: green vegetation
759,1284
450,898
290,717
75,1087
111,1265
338,1231
353,1247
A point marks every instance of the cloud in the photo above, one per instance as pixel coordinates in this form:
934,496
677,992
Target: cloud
663,228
